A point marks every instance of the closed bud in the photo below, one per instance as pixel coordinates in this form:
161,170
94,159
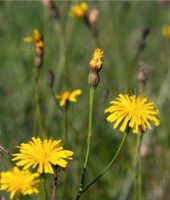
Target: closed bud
38,61
95,66
93,79
51,78
142,75
93,18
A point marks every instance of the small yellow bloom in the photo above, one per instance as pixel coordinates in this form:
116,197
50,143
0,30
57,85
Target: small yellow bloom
38,40
166,31
68,96
18,182
42,154
79,10
132,111
35,37
97,60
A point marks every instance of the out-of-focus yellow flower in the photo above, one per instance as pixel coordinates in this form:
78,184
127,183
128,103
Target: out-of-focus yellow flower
35,37
68,96
97,60
166,31
19,182
79,10
38,40
42,154
132,111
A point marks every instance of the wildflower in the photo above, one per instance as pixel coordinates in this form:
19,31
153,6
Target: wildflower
166,31
35,38
42,154
68,96
79,10
18,182
39,46
95,66
133,111
97,60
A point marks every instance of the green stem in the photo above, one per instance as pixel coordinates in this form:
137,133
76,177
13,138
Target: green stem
91,102
65,135
38,120
108,166
42,188
137,190
62,58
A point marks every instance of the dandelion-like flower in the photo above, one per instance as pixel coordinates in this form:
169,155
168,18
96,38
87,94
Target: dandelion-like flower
42,154
68,96
166,31
18,182
79,10
97,60
133,111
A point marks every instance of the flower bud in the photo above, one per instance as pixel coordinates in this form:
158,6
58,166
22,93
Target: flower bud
93,79
93,18
95,66
142,75
51,78
38,61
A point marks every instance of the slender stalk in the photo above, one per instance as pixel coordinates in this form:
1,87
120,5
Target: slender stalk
137,193
108,166
42,188
62,57
65,135
38,119
91,102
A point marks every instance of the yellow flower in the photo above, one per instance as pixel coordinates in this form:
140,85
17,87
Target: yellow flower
42,154
79,10
35,37
97,60
166,31
132,111
38,40
68,96
18,182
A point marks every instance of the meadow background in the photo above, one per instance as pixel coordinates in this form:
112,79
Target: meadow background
120,27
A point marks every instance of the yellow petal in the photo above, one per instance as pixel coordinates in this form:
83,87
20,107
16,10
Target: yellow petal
28,39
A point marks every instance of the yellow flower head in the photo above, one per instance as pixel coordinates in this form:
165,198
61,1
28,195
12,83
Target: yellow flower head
68,96
18,181
97,60
42,154
132,111
166,31
35,37
38,40
79,10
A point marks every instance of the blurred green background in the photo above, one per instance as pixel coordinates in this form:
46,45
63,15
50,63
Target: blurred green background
120,26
